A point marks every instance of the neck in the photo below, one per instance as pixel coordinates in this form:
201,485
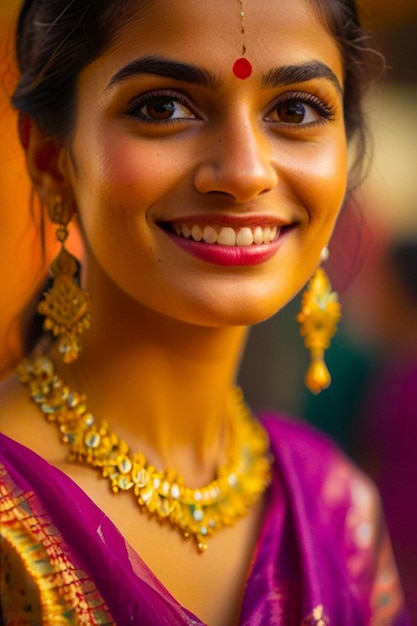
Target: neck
161,384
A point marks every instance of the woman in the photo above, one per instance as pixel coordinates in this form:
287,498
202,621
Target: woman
202,147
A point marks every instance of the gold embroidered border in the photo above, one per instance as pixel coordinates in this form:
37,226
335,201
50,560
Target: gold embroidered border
66,594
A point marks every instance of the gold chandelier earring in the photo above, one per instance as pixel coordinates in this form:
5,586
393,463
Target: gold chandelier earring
318,318
66,306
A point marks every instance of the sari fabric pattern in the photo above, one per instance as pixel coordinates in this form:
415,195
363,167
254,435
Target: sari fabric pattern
323,557
39,581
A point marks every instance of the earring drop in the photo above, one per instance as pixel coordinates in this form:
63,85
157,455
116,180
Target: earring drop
65,306
319,316
242,68
324,254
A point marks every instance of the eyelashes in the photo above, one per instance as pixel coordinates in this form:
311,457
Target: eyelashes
294,107
291,109
161,107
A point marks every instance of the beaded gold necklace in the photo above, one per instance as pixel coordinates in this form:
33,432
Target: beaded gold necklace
195,513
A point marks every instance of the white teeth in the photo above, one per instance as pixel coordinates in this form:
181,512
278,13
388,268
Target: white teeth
196,233
244,237
226,235
209,234
258,235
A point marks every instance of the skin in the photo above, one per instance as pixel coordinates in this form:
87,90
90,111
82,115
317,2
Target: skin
168,326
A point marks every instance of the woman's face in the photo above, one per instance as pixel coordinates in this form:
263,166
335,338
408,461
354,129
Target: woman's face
168,141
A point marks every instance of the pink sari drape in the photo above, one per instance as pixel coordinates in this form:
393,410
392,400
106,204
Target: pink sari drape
323,556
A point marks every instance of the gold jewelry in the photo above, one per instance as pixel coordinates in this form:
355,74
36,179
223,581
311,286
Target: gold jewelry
242,68
65,305
319,316
196,513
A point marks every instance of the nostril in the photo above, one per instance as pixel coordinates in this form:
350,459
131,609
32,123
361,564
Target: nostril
224,194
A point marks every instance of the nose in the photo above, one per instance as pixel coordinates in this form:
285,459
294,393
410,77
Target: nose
237,160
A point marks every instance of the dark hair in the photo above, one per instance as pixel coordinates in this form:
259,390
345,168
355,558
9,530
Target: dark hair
56,39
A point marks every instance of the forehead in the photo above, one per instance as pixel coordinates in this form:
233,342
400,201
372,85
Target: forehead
209,33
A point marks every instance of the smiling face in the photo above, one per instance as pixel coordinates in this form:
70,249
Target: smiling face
203,196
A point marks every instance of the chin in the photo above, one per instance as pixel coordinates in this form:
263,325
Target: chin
249,312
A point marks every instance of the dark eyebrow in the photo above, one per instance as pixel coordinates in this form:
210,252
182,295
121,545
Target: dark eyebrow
189,73
160,66
289,74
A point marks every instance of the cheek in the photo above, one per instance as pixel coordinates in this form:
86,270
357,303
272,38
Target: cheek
117,182
324,181
131,167
317,179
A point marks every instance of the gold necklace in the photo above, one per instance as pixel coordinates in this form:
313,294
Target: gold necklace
196,513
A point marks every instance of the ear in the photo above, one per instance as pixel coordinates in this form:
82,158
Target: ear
45,159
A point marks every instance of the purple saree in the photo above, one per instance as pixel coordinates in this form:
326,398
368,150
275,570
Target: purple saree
323,557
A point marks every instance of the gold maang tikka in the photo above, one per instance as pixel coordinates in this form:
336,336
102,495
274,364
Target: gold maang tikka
319,316
242,68
65,306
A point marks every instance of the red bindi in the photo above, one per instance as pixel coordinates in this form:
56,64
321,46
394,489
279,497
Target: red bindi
242,68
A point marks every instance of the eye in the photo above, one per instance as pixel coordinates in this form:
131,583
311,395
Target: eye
157,108
300,110
296,113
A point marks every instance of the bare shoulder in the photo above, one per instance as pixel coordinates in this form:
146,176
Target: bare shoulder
21,419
